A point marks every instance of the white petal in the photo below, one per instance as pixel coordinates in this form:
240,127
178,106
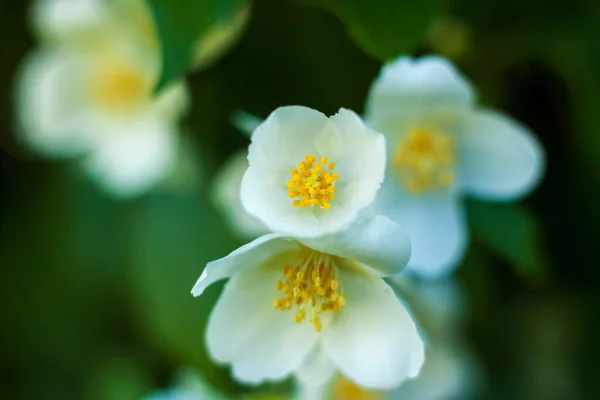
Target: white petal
501,159
372,339
50,105
377,242
283,140
449,372
226,198
311,392
288,133
244,329
250,256
132,157
409,86
57,20
318,369
435,224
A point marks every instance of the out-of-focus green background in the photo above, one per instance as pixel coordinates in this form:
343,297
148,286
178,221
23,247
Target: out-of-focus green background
94,292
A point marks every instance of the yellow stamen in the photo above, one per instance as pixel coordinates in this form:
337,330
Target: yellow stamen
425,160
344,389
118,86
311,184
311,286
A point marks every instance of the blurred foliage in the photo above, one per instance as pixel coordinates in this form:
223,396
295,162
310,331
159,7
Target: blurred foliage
95,293
512,232
376,26
180,24
185,229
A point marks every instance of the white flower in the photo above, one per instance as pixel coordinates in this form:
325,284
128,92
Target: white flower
442,146
93,98
226,198
310,174
313,305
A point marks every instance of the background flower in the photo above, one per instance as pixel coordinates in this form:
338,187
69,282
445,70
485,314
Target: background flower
226,198
441,146
93,97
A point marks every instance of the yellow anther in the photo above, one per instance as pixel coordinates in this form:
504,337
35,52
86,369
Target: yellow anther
425,159
317,323
311,287
311,183
300,316
343,389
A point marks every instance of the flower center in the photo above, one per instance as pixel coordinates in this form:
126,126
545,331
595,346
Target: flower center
119,86
311,287
343,389
312,183
424,160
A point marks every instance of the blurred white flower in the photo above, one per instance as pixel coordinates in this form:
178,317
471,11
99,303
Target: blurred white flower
309,174
442,146
209,47
446,374
189,385
93,98
314,305
451,369
75,20
226,198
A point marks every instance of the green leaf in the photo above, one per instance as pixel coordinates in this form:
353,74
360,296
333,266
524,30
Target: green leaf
179,24
512,232
384,29
172,241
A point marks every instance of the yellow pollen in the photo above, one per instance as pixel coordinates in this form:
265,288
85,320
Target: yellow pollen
311,287
425,160
118,86
312,183
343,389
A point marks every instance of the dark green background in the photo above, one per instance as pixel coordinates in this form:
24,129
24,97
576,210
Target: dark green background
94,293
